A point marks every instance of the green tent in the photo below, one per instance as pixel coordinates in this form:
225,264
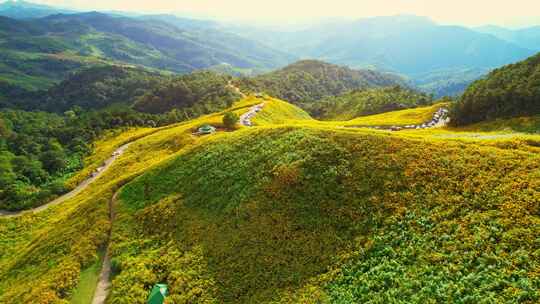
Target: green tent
207,129
158,294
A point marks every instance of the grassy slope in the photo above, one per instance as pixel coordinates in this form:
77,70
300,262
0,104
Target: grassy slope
299,211
519,124
260,214
42,255
86,287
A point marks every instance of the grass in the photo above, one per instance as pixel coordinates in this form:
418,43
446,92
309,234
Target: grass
266,211
292,211
89,277
397,118
518,124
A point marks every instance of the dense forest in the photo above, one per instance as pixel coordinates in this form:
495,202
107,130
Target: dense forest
311,80
147,92
40,150
92,88
510,91
46,134
193,94
366,102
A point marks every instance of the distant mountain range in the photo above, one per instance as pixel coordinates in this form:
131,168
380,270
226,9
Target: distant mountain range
437,58
526,37
34,52
409,45
26,10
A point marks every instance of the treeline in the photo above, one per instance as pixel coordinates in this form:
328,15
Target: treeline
147,92
310,80
367,102
511,91
40,150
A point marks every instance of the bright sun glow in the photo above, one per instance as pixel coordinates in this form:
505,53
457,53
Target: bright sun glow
466,12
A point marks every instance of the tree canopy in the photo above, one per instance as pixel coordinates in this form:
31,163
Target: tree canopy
510,91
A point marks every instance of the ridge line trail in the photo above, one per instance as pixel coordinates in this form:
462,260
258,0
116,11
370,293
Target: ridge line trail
104,282
107,164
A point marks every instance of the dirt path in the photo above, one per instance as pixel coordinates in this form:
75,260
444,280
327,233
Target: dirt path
104,281
106,165
236,89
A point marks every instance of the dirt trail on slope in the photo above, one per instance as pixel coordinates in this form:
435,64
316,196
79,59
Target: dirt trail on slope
104,281
236,89
107,164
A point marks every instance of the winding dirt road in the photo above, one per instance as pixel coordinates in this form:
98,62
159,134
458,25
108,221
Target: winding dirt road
106,165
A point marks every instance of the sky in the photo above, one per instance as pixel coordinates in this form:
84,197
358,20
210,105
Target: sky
515,13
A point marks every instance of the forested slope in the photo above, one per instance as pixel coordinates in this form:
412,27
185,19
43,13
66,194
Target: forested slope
311,80
510,91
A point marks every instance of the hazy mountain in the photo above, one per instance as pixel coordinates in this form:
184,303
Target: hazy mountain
90,38
409,45
526,37
24,10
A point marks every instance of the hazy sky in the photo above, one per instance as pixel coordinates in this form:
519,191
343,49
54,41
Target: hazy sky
466,12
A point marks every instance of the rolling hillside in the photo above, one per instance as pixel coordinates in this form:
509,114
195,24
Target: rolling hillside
308,81
291,211
368,102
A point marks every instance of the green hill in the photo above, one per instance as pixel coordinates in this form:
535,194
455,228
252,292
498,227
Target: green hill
291,211
510,91
296,215
311,80
101,87
91,88
367,102
193,94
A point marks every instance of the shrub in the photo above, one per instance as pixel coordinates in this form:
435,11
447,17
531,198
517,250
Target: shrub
230,119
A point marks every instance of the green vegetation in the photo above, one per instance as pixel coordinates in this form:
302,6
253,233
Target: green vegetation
84,292
368,102
310,80
306,215
91,88
39,151
507,92
230,119
190,95
530,124
36,53
303,212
